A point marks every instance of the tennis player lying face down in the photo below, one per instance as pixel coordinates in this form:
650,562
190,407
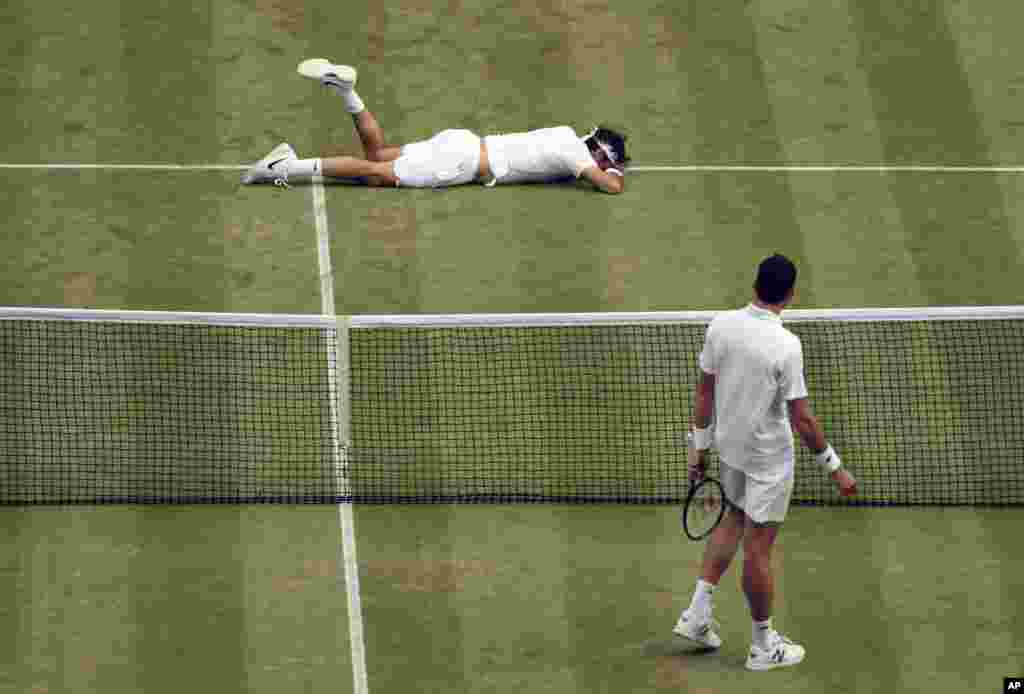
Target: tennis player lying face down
451,157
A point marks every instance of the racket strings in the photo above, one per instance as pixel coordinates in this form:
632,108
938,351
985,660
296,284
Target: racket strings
704,509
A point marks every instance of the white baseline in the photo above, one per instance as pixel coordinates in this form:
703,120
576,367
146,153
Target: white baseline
653,168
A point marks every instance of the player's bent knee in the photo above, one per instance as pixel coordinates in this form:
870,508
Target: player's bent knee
384,154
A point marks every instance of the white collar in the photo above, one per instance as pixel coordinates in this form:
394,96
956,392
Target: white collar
763,313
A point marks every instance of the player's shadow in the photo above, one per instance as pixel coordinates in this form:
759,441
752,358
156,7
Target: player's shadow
695,658
568,186
333,182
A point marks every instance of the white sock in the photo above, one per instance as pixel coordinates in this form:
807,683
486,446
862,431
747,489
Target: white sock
761,632
701,603
353,104
303,168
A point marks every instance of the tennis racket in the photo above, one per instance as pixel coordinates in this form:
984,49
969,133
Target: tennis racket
705,502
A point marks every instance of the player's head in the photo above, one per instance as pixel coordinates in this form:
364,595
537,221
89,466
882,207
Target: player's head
776,277
607,147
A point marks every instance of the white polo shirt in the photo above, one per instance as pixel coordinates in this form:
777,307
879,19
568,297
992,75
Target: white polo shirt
758,365
543,155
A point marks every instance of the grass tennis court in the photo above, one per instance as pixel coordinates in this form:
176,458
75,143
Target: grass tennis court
506,598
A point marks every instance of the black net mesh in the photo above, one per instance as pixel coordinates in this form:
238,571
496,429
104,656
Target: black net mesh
922,412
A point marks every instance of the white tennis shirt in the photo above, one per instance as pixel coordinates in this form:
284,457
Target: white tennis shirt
543,155
758,365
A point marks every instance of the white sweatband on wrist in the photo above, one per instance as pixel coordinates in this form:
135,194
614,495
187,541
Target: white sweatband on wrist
828,459
702,439
614,172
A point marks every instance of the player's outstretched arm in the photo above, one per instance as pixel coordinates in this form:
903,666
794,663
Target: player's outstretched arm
603,180
703,406
813,436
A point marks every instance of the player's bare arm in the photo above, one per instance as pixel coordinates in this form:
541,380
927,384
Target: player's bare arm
604,181
608,151
813,436
703,406
704,402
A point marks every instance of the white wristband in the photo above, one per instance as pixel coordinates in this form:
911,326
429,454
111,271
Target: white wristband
828,459
702,439
614,172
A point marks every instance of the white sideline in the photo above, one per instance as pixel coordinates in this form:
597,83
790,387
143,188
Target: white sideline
340,443
652,168
132,167
823,168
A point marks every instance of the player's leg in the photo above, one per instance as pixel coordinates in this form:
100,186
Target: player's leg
341,79
373,143
372,137
725,539
695,622
373,173
282,165
766,507
758,582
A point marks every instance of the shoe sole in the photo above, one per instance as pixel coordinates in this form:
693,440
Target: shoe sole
316,68
282,150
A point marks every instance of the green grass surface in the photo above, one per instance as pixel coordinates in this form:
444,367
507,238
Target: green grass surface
493,599
163,599
171,241
506,599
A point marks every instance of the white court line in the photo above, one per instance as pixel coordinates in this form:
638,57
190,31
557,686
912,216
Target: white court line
131,167
654,168
340,443
824,168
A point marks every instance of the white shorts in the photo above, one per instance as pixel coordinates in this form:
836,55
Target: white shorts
764,502
450,158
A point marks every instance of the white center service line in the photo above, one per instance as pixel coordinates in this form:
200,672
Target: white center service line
336,363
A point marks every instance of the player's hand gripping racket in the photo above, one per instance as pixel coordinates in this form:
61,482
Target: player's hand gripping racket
704,505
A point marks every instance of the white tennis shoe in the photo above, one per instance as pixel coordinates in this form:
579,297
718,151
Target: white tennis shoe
328,74
781,652
702,632
272,168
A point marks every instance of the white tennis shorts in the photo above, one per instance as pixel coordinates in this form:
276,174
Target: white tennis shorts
450,158
764,502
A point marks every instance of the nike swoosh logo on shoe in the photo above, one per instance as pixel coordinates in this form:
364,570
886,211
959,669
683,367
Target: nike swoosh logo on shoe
276,161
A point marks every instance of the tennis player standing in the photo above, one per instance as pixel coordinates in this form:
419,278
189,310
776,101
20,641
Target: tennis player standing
752,378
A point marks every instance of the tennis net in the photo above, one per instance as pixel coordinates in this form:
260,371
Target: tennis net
924,405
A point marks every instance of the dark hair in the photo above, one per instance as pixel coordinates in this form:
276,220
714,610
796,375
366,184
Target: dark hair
776,276
616,141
